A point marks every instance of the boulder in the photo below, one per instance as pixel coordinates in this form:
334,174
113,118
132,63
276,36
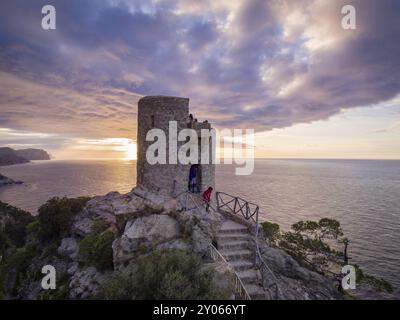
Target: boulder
73,268
295,281
68,248
85,284
200,241
280,261
144,232
113,208
82,225
151,199
223,279
177,244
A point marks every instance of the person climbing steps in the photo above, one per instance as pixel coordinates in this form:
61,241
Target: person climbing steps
207,198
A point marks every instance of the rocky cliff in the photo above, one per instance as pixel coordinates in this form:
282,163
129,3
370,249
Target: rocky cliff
33,154
92,242
138,245
10,156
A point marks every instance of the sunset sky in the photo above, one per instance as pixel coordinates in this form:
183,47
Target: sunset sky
287,69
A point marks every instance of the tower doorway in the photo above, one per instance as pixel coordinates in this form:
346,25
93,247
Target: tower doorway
194,183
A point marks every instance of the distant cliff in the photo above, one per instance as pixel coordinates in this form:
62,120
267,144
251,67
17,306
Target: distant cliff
10,156
33,154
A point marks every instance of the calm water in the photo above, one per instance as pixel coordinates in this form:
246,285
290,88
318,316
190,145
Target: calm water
363,195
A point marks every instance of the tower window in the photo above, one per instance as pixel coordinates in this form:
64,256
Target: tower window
152,121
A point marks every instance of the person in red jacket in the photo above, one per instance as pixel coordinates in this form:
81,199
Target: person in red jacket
207,198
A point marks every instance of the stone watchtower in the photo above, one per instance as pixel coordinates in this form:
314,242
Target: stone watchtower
169,179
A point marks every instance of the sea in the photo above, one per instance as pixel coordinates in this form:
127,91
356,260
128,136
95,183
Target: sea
363,195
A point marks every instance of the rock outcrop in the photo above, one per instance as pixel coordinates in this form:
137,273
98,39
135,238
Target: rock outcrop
295,281
144,233
85,284
4,181
68,248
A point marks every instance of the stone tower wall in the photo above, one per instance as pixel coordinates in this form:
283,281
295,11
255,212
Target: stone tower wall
167,179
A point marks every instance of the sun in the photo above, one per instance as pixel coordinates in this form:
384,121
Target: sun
131,151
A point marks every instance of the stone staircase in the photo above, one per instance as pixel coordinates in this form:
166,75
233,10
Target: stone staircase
235,244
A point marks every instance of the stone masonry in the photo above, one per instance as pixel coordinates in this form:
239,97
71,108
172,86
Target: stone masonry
168,179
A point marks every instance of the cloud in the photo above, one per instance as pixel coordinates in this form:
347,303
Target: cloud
393,127
255,63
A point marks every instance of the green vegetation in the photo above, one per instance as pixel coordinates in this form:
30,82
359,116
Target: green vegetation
13,222
162,275
379,284
56,215
318,245
99,226
61,291
95,250
308,242
23,238
271,231
13,270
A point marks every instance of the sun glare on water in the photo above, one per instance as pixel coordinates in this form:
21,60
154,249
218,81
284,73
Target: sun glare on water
131,152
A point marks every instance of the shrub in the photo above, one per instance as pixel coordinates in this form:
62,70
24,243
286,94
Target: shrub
12,227
99,226
15,265
173,274
55,216
379,284
95,250
309,243
271,231
61,291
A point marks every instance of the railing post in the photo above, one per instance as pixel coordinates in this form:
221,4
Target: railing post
234,206
257,223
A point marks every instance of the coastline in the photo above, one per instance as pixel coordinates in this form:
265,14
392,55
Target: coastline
279,201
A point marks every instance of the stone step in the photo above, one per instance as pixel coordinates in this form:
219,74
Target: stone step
248,276
238,244
256,292
233,255
233,231
229,226
233,237
241,265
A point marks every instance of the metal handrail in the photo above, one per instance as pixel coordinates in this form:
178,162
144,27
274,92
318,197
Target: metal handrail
248,214
240,289
195,199
246,208
216,255
264,267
